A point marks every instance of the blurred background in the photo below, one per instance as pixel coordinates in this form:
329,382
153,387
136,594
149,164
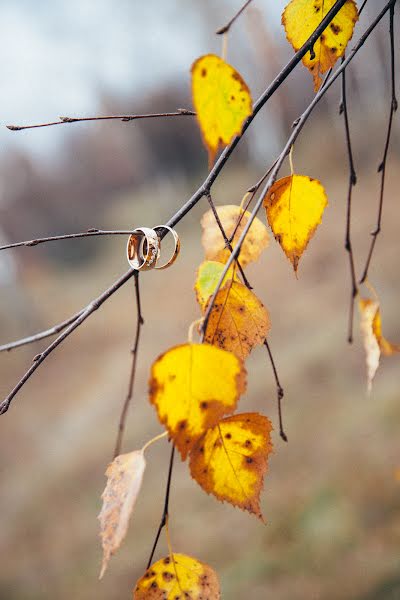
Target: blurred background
332,497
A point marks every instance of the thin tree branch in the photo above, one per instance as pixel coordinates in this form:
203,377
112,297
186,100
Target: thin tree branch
382,166
41,335
70,236
181,112
166,506
85,313
227,27
292,138
352,182
279,392
135,348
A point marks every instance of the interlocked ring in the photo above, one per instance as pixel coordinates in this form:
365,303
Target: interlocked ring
177,247
143,249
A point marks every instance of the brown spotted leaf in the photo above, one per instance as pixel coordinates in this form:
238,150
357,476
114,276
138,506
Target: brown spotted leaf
230,460
192,386
178,577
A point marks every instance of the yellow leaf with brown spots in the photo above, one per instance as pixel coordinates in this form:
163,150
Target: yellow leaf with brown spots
373,340
178,577
238,320
230,460
300,19
294,207
124,480
192,386
221,99
255,242
208,276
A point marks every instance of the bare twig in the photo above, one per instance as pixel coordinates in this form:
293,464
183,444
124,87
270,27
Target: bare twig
296,131
181,112
279,392
227,27
135,348
164,516
352,182
70,236
382,166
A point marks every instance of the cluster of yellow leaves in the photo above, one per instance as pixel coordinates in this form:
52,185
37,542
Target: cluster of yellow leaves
374,342
301,17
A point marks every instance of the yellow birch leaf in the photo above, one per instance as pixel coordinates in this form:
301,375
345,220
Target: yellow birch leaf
238,320
301,17
124,480
192,386
208,276
178,577
230,460
373,340
256,240
294,207
221,99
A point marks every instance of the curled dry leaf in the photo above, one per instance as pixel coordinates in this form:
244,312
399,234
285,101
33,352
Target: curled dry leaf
124,480
373,340
230,460
301,17
178,577
189,393
256,240
221,99
294,207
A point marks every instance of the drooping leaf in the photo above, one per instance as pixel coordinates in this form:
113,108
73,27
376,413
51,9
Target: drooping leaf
294,207
256,240
230,460
192,386
124,480
208,276
301,17
178,577
221,99
238,320
373,340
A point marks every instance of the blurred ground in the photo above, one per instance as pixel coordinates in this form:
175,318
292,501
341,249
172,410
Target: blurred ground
331,499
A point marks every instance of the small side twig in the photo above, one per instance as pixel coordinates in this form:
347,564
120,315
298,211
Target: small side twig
227,27
135,348
382,166
164,516
181,112
279,391
92,232
352,182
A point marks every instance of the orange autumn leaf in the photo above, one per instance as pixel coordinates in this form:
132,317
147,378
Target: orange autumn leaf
294,206
301,17
213,242
373,340
230,460
238,320
124,480
178,577
221,99
192,386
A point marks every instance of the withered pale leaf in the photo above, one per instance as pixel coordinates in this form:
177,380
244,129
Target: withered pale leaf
124,480
256,240
178,577
230,460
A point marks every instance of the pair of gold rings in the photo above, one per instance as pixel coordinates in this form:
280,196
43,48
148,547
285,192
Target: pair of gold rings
144,248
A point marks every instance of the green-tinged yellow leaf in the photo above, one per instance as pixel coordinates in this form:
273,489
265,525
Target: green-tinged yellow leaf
124,480
178,577
192,386
256,240
230,460
208,276
221,99
294,207
301,17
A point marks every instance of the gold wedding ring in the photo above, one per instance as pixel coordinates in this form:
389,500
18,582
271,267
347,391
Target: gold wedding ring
176,250
143,249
